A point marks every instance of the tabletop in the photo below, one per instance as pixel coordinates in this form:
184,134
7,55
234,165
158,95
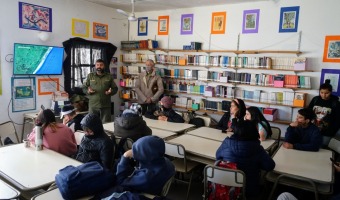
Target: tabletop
53,194
199,146
312,165
29,169
109,127
168,126
7,191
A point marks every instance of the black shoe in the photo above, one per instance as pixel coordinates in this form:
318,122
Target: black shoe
8,141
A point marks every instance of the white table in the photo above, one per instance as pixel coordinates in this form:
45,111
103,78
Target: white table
109,128
7,191
28,169
314,166
167,126
200,149
53,194
216,134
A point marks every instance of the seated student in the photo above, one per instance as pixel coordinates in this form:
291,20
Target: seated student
237,111
130,124
56,136
166,113
244,149
152,171
71,118
302,134
96,144
253,114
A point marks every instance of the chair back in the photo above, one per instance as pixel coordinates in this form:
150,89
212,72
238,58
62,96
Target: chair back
174,150
224,176
334,144
207,120
167,186
276,133
127,145
7,129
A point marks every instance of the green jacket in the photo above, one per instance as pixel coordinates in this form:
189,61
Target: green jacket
99,84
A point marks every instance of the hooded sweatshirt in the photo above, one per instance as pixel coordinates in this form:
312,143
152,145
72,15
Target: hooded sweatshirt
97,147
153,170
131,126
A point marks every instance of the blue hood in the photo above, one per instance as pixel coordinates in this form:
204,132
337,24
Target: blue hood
148,149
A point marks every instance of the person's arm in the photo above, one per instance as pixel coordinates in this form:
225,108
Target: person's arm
137,88
312,102
106,153
86,84
290,134
31,136
174,117
315,141
125,167
160,90
113,87
267,163
149,114
262,132
223,123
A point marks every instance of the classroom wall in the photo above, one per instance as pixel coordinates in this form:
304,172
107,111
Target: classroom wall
316,20
62,13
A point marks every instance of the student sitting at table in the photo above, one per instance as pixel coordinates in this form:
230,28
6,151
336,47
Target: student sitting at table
165,113
71,118
244,149
144,168
253,114
96,144
130,124
56,136
237,111
302,134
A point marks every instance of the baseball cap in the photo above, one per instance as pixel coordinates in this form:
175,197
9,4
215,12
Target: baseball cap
67,109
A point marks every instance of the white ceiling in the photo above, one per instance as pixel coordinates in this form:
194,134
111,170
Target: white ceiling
154,5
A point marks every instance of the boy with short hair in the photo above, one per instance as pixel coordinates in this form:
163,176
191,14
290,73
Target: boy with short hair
302,134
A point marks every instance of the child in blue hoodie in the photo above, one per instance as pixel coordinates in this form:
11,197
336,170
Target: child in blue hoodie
152,171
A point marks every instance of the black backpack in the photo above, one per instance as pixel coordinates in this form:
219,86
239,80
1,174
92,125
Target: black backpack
198,122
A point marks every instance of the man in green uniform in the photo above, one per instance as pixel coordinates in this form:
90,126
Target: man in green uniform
99,87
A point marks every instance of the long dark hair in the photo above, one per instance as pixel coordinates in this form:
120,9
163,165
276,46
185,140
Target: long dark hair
245,130
46,118
241,108
258,118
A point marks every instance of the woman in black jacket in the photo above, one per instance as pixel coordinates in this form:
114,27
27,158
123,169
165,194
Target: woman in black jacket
96,144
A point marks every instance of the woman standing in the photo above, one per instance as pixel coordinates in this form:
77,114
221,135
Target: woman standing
327,110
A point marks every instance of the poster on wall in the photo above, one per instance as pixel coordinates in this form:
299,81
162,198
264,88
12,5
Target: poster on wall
289,19
331,51
142,26
218,22
187,22
35,17
251,21
80,28
47,86
334,76
23,94
100,31
163,25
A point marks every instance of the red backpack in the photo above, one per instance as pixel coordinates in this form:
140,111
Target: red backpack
223,192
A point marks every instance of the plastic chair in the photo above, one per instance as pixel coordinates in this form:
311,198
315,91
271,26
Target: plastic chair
127,145
165,189
224,176
7,129
182,165
276,135
282,178
207,120
334,144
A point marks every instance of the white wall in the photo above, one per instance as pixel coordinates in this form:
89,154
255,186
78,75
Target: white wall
62,13
317,19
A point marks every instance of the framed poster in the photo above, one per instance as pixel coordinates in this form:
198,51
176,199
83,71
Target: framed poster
218,22
331,51
334,76
187,21
163,25
142,26
47,86
289,19
23,94
100,31
80,28
251,21
35,17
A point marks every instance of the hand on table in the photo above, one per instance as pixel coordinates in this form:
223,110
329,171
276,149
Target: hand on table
162,118
288,145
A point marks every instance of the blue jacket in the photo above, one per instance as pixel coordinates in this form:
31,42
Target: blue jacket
250,157
153,170
305,139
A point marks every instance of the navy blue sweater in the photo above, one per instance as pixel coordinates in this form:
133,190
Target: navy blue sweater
305,139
